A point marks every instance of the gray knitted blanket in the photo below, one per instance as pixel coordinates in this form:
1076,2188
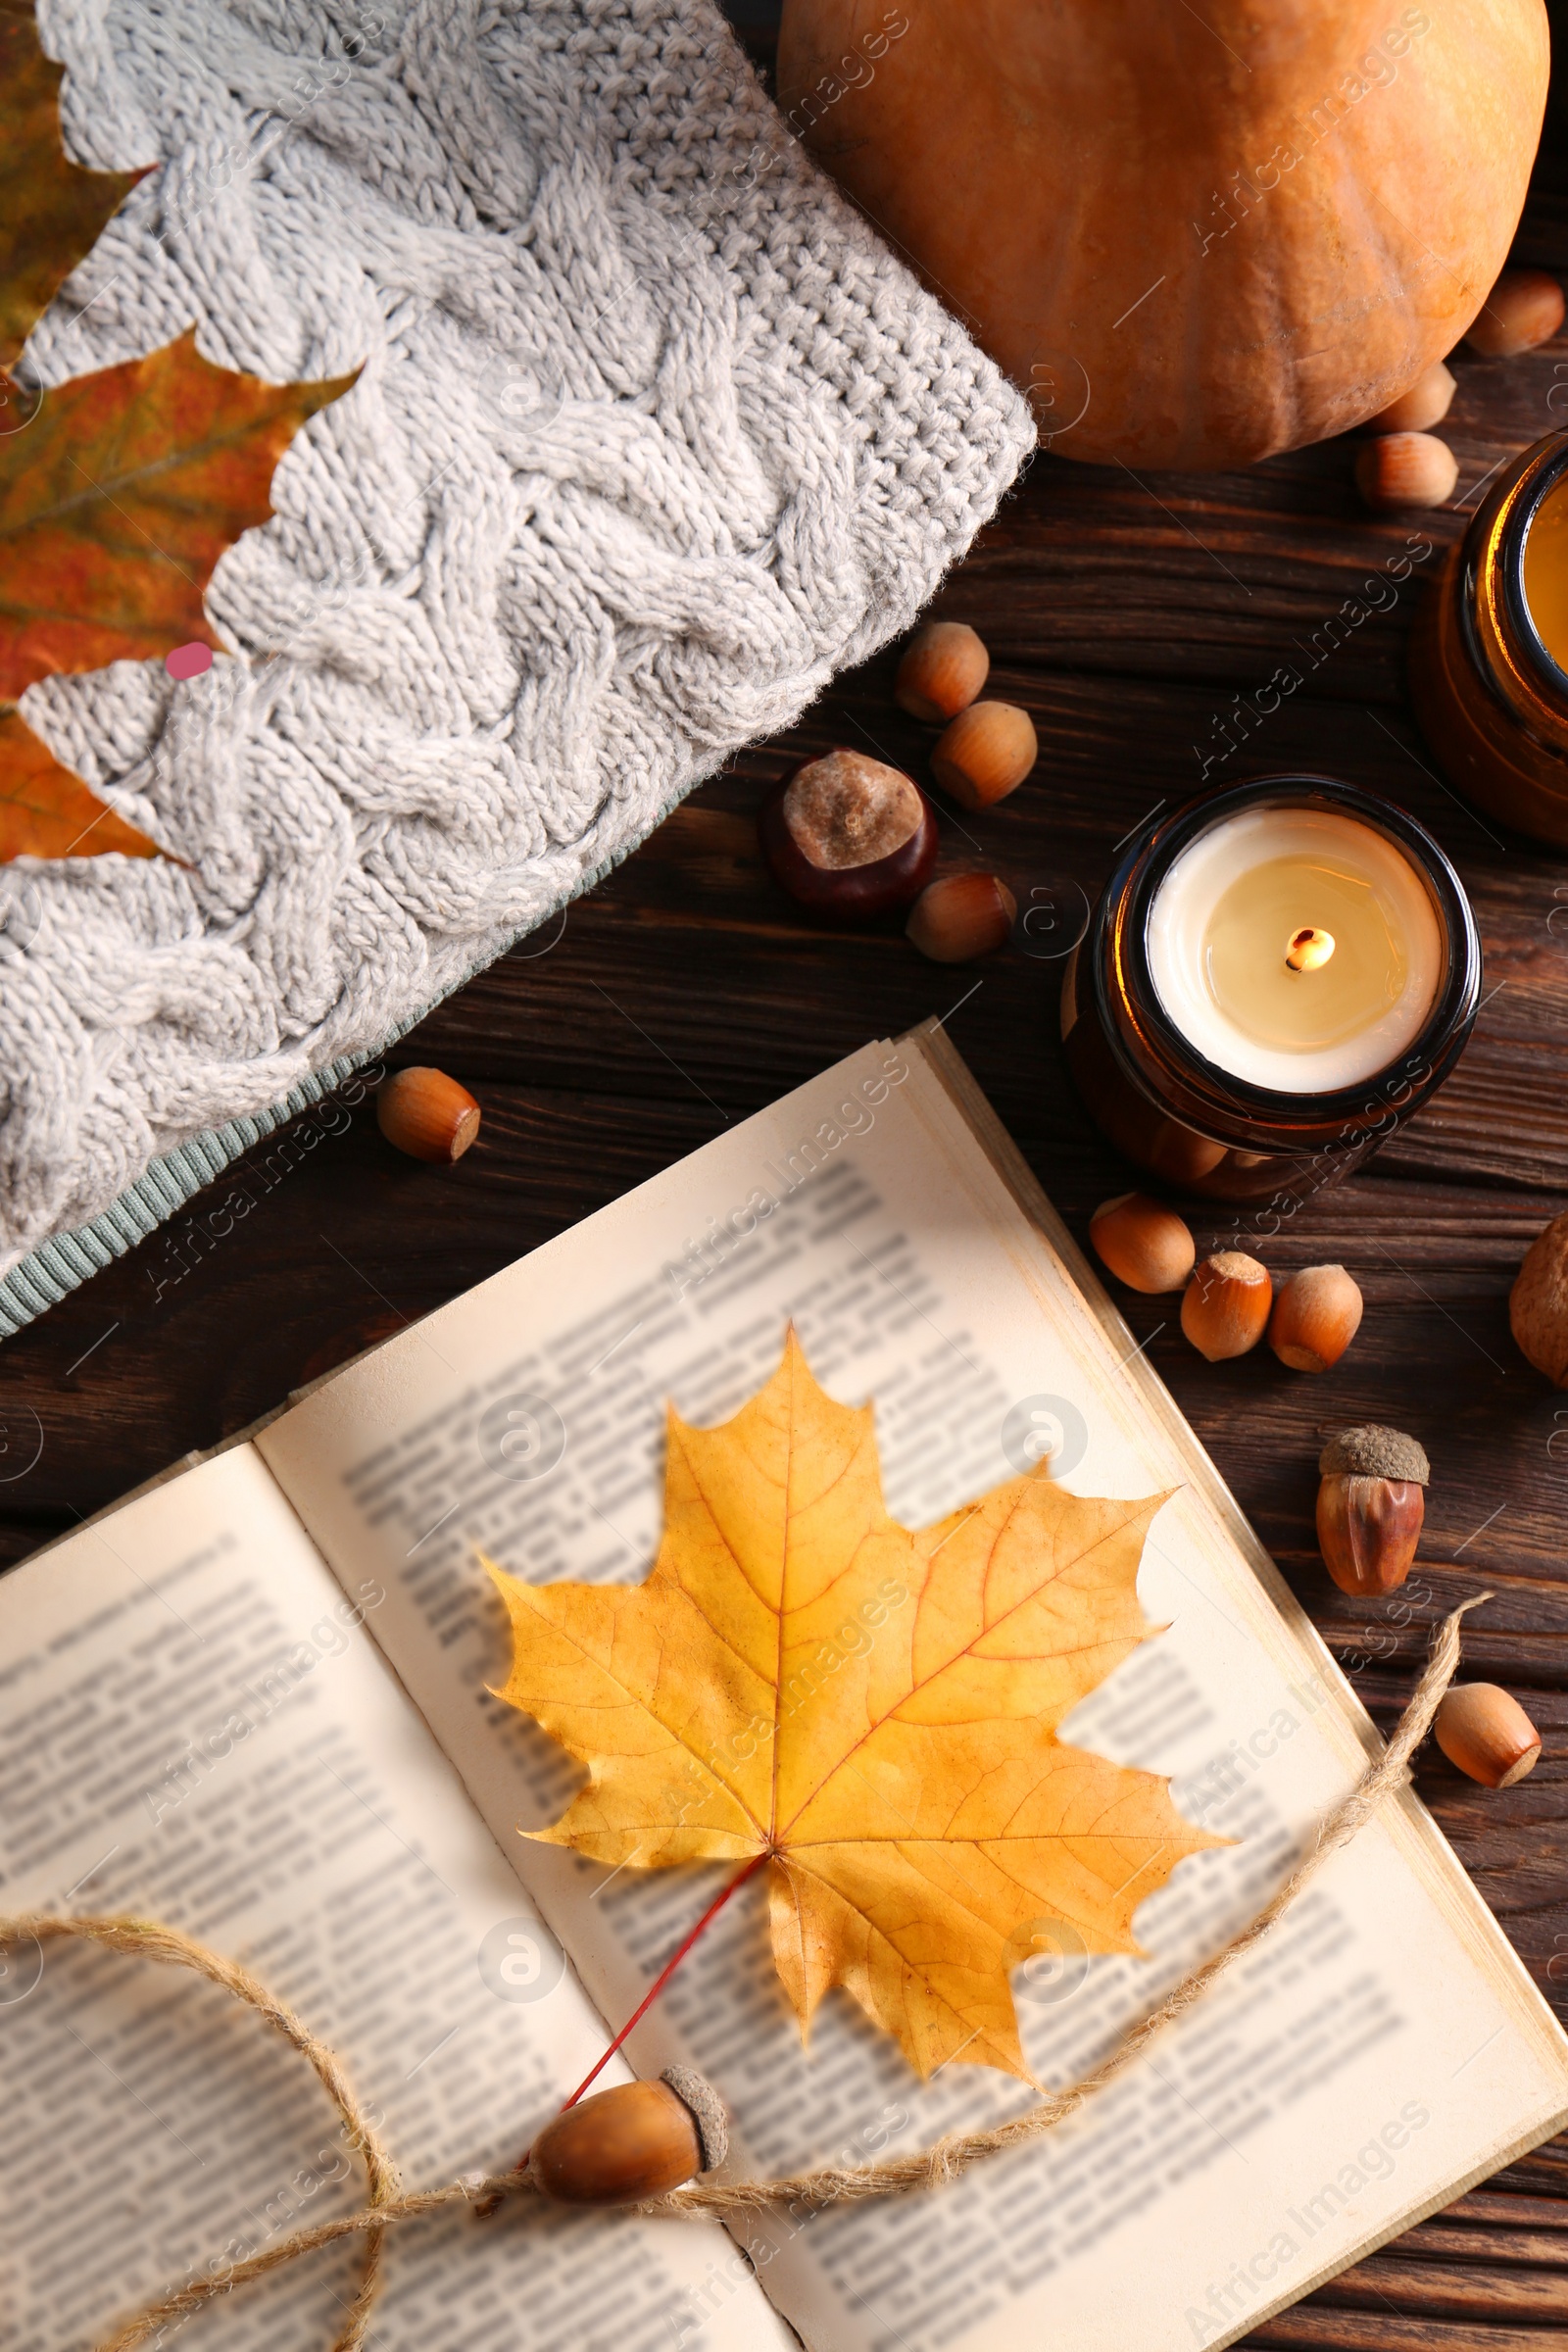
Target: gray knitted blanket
651,436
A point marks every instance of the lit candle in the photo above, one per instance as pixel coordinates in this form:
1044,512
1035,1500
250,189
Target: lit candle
1488,651
1276,975
1546,572
1297,948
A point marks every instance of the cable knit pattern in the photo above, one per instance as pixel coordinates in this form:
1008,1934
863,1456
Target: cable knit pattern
652,435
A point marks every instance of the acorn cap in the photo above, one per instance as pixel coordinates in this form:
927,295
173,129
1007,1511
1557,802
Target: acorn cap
696,2093
1370,1450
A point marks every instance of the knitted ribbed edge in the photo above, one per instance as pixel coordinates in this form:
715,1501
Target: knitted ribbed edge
67,1261
62,1263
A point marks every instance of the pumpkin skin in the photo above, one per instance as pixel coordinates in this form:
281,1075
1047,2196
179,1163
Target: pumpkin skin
1193,237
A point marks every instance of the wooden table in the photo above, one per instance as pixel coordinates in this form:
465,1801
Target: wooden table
1128,614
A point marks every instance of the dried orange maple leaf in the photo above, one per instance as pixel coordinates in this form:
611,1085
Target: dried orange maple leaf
115,502
872,1709
46,811
118,501
52,210
120,490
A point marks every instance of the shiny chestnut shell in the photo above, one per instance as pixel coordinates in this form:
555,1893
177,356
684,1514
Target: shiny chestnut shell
843,892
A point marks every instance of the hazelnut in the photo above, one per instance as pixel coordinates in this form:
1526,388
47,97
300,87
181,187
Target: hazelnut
1226,1304
1426,403
1316,1316
1370,1506
961,916
427,1114
1523,309
985,753
1145,1245
848,836
1405,470
944,667
1179,1155
631,2142
1486,1734
1537,1305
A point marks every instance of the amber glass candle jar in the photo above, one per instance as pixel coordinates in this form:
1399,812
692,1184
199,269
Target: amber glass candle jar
1277,976
1489,654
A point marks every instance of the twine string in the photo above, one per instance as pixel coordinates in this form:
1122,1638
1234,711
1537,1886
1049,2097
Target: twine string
148,1940
946,2160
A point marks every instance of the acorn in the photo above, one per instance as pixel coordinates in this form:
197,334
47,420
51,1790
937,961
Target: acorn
1145,1245
1426,403
632,2142
961,916
985,753
426,1114
1524,308
848,836
1316,1316
1405,470
1226,1304
1486,1734
1371,1502
1538,1303
945,665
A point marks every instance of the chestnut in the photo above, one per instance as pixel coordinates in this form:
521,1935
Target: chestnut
848,836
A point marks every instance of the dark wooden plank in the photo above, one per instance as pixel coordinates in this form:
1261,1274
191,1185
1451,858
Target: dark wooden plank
1316,2327
1444,2240
295,1261
1543,2171
696,905
1095,568
1426,1255
1391,2280
1136,620
1486,2206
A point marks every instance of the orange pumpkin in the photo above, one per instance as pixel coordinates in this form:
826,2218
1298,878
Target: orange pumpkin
1193,234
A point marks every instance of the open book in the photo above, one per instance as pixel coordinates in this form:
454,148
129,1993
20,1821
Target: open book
253,1700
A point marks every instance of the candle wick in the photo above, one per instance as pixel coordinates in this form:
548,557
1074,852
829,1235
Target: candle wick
1309,949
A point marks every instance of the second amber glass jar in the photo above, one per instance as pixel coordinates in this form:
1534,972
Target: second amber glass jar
1491,699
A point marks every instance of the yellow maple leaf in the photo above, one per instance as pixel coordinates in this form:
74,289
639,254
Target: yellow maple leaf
872,1707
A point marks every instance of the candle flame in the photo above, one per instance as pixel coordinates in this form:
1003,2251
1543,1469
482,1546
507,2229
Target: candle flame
1308,949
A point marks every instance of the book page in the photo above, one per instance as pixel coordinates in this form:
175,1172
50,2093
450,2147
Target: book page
1382,2047
195,1729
